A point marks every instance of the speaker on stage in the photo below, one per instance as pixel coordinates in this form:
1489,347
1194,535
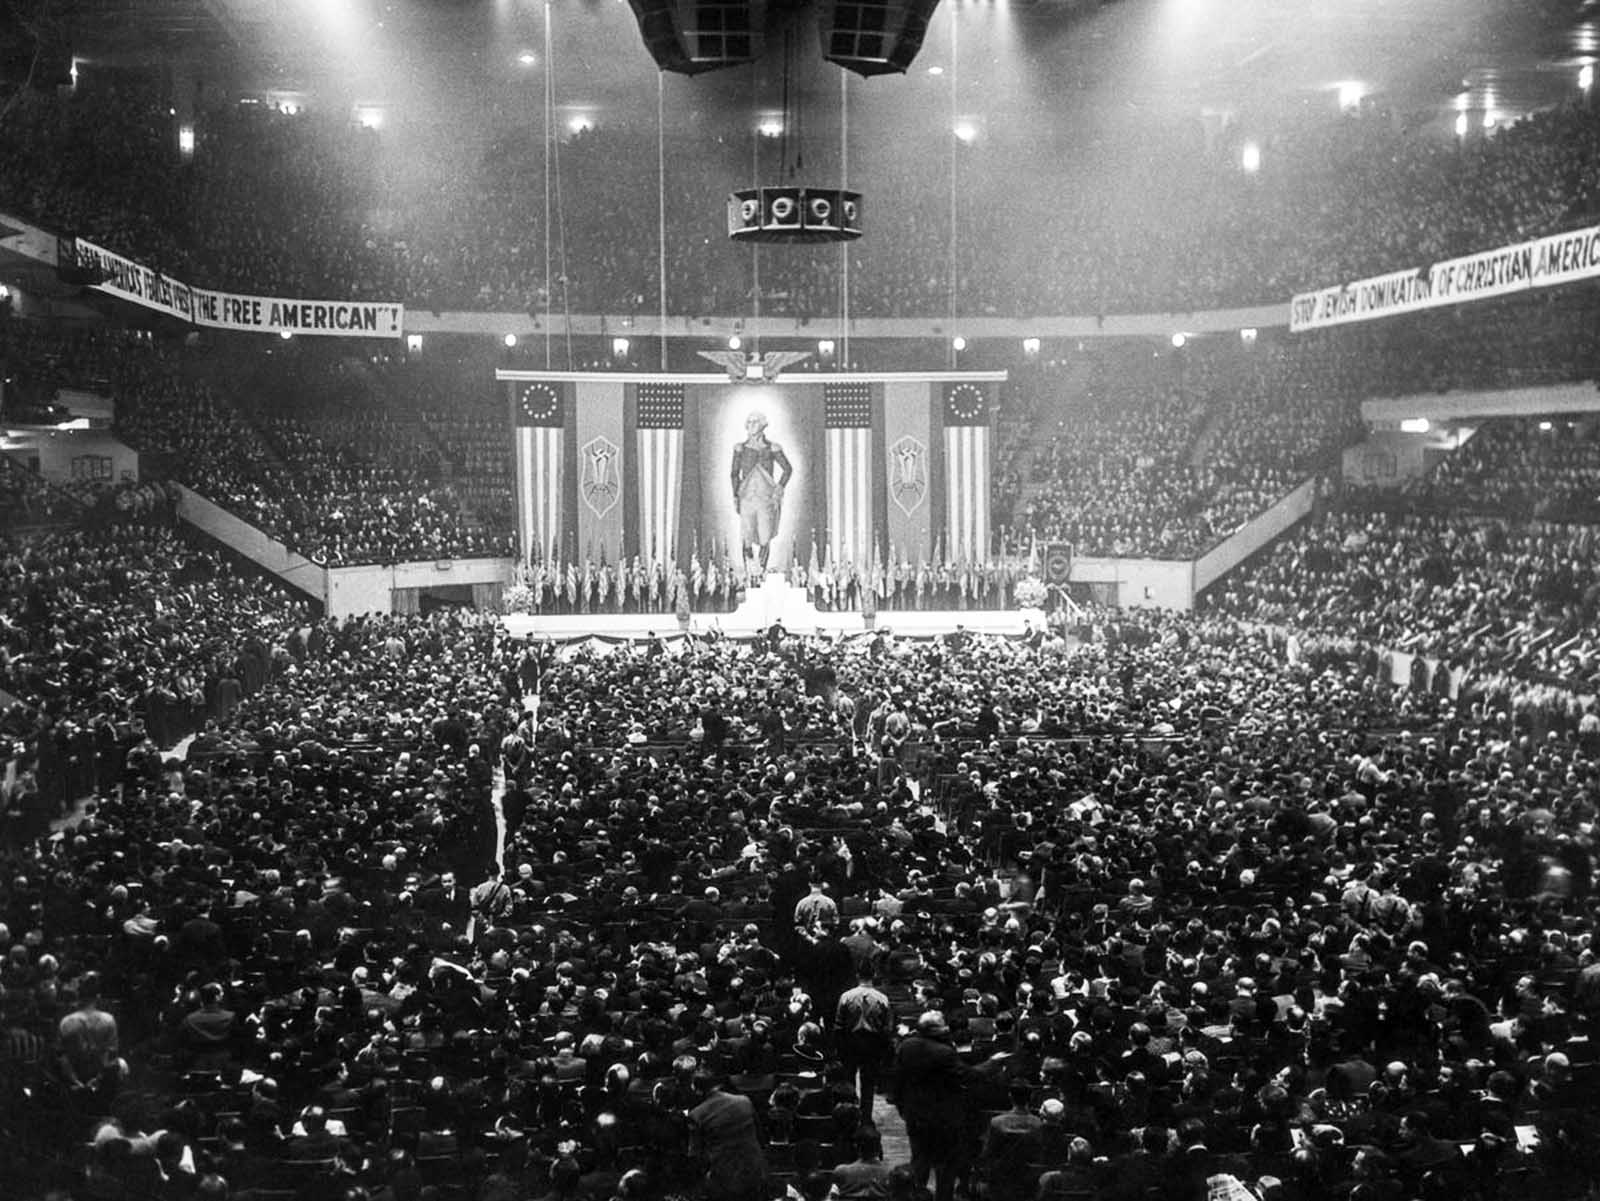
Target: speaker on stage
1057,563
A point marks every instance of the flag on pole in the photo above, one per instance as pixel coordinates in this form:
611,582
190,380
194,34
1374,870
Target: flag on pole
968,409
660,446
539,410
847,416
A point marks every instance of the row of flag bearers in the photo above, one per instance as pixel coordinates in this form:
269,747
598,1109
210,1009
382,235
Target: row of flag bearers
713,582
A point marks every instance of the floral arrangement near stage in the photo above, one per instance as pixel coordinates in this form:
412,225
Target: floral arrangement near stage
1030,593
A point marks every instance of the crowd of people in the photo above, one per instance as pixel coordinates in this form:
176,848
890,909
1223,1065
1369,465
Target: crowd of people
1144,906
1119,910
309,203
1141,452
305,448
1485,561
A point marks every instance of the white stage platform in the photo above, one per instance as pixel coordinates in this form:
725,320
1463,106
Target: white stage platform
775,600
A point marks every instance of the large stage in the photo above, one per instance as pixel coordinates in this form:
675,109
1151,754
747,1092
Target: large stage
814,468
776,601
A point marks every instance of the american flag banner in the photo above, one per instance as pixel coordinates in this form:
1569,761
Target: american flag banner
539,410
968,408
660,446
847,417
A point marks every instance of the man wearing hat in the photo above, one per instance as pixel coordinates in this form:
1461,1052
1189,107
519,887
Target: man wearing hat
930,1092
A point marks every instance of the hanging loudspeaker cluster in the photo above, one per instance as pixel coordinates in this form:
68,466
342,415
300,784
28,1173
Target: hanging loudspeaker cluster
794,214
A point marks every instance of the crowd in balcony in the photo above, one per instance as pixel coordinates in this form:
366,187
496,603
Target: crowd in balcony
1485,561
311,204
1161,452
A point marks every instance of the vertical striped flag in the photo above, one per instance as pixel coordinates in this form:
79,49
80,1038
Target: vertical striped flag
967,411
847,417
539,414
660,433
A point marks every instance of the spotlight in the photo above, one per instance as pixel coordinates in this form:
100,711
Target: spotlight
1179,341
1415,425
619,348
286,334
510,340
1461,125
966,132
770,128
527,58
1586,76
958,343
186,140
1248,336
1250,159
414,343
1030,347
825,348
735,342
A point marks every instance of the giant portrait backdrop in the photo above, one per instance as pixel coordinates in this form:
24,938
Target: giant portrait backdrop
794,421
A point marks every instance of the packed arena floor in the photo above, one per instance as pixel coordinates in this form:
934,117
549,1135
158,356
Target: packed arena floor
1288,898
425,911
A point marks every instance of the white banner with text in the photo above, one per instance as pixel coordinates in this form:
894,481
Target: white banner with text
140,285
1541,263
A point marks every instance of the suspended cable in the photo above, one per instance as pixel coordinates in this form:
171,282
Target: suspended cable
661,207
844,247
955,143
755,175
785,164
549,106
561,216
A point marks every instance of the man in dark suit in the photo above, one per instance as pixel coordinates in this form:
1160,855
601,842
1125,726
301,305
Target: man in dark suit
1011,1146
449,902
723,1133
930,1092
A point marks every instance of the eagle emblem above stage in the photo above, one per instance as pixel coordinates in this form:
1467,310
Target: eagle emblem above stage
601,482
765,367
908,473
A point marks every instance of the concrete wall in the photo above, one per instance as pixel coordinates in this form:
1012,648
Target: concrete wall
1388,412
56,449
1389,458
1123,325
354,591
1141,583
1256,533
293,569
